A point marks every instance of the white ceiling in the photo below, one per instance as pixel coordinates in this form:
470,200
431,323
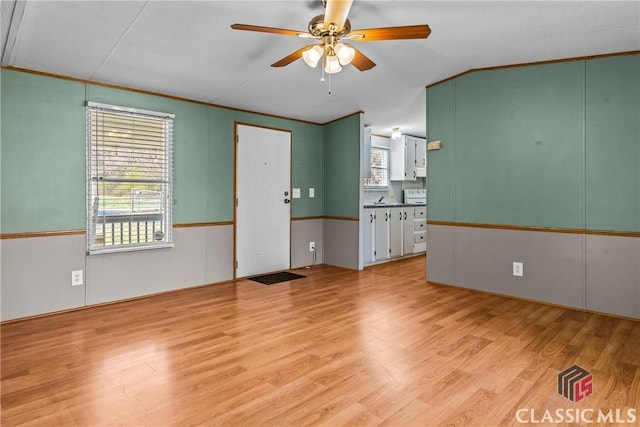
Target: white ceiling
187,49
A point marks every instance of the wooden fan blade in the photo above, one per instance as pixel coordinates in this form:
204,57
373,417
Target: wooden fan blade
336,12
291,57
391,33
360,60
271,30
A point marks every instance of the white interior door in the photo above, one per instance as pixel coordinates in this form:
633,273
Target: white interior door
263,195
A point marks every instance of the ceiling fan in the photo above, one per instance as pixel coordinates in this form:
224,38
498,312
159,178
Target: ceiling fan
330,30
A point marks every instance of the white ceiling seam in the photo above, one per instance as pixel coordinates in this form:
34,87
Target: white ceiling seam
122,36
15,19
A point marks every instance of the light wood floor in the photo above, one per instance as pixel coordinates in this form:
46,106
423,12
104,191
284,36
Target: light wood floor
339,347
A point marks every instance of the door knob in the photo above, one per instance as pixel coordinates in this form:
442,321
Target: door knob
287,201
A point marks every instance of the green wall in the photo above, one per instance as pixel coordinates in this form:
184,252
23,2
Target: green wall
440,164
554,145
44,144
613,143
43,153
342,141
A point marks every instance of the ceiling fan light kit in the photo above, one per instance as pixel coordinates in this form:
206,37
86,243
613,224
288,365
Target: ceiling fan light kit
334,57
329,29
345,53
332,64
312,55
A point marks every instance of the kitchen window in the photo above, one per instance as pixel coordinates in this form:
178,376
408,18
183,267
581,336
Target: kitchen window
129,179
379,177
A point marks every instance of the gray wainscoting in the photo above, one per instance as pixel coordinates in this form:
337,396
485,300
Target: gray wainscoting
440,254
36,275
113,277
302,232
599,273
613,275
219,255
341,242
553,268
36,271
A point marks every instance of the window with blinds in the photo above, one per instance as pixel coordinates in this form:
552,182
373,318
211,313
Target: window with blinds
379,177
129,179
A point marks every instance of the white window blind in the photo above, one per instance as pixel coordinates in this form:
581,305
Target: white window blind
129,179
379,169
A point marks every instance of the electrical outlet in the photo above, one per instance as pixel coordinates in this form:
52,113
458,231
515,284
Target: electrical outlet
77,278
518,269
312,246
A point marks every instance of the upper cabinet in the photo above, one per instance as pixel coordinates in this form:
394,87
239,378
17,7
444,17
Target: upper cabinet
366,156
421,157
408,158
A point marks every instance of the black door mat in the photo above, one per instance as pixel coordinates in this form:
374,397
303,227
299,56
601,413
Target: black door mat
273,278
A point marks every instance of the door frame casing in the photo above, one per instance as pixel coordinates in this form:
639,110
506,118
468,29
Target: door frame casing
237,124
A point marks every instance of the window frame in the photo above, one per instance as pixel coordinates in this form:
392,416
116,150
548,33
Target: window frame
162,237
367,181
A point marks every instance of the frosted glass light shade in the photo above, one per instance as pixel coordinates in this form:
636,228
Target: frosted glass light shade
312,56
395,133
344,53
332,65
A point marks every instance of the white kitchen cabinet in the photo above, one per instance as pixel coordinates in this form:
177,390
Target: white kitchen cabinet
408,158
403,159
420,229
381,233
366,159
368,243
421,157
407,230
395,232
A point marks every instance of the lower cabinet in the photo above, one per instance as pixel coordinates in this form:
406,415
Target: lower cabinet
381,234
368,242
408,230
393,232
420,229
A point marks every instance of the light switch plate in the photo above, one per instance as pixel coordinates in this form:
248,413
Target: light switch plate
312,193
296,193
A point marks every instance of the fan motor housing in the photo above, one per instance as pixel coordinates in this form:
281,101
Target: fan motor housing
317,28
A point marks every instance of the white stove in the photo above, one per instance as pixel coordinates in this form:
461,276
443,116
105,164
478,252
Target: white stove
415,196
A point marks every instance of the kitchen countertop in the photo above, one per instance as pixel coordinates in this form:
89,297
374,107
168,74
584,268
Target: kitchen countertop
393,205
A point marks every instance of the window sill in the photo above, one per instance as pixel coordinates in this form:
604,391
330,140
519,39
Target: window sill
124,248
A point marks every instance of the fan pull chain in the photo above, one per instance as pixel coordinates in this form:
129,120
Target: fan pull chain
322,78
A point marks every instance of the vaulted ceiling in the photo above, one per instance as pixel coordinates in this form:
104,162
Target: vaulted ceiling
187,49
